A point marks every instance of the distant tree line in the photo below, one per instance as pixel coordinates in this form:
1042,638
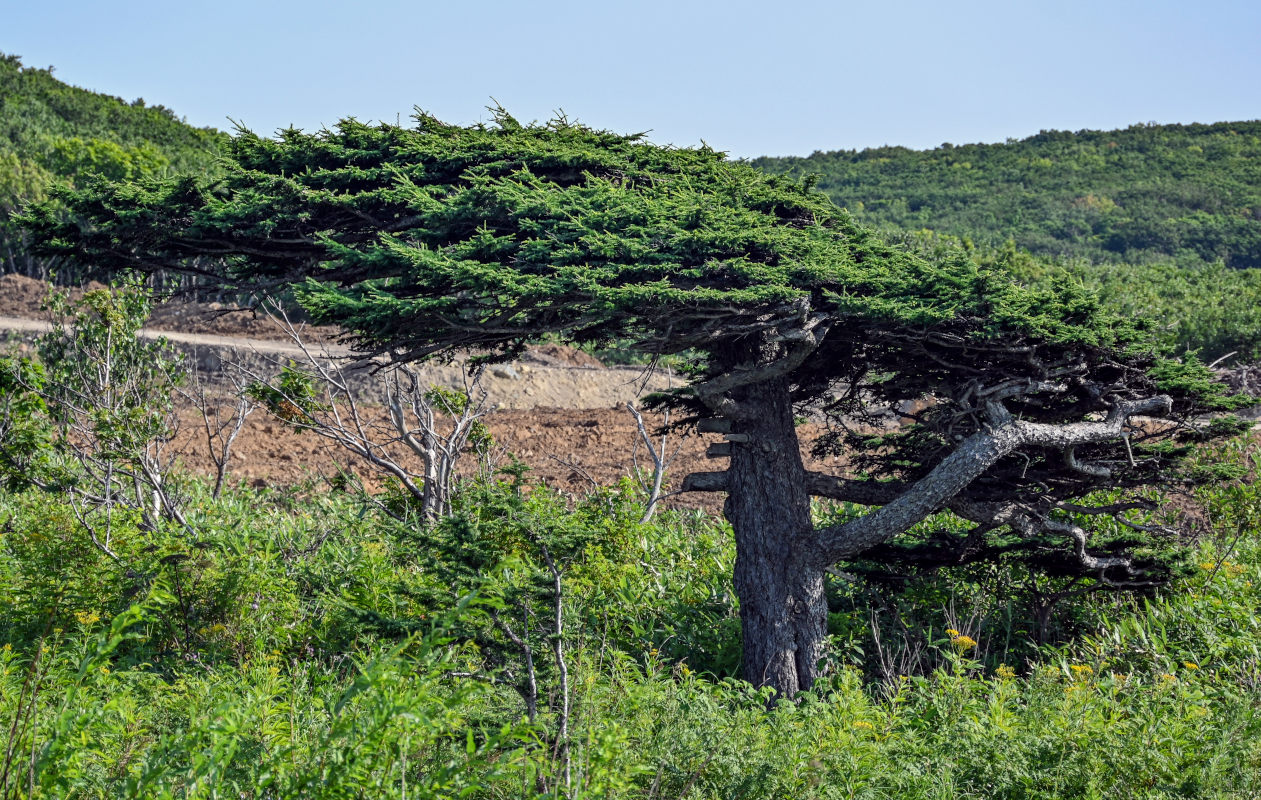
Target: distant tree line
1191,193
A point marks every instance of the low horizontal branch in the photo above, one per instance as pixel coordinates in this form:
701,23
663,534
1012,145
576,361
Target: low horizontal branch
970,460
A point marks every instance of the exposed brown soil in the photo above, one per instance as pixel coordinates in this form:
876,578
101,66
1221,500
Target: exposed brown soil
571,450
559,410
21,296
569,445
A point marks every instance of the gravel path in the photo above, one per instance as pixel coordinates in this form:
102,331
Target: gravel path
525,384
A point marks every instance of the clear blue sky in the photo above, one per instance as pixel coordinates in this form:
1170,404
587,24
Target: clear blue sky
751,78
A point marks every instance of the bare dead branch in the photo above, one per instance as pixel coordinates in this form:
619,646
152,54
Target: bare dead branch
969,461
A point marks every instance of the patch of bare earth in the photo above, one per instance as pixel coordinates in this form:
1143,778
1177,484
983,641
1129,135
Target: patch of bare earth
570,450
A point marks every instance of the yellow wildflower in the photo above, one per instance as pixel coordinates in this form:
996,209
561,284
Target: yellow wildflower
1168,678
1190,665
86,618
1005,672
951,632
963,643
863,725
1081,671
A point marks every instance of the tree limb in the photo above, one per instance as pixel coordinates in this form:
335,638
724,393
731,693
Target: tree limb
970,460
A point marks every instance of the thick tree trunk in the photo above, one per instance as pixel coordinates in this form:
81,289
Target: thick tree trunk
783,612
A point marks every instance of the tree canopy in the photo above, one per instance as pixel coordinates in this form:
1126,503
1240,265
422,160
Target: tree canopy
427,240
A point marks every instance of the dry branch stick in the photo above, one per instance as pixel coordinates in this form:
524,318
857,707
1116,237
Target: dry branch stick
660,461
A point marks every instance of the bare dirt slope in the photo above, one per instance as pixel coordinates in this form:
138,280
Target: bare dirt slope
558,409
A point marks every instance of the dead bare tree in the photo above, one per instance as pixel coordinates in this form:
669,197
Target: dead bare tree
415,413
432,424
223,416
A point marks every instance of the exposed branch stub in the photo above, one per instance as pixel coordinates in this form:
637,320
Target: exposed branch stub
714,425
718,450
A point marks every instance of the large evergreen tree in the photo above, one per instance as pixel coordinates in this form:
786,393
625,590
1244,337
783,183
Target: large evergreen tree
437,238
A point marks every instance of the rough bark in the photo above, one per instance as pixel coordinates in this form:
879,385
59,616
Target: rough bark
781,557
783,612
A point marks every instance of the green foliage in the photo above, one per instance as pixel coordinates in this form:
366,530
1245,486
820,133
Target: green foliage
1210,307
1157,219
521,231
257,657
101,378
75,157
93,413
292,398
387,724
50,131
26,433
1147,193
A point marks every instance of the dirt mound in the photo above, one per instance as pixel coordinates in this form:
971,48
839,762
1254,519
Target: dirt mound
21,296
559,355
217,319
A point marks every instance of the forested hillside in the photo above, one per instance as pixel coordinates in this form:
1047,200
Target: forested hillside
50,130
1146,193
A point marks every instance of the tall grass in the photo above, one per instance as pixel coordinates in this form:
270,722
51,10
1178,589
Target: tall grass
304,646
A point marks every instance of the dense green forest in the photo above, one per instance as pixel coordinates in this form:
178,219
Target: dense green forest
1160,219
51,131
1149,193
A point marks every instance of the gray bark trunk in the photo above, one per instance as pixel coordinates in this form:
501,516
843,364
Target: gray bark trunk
783,612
